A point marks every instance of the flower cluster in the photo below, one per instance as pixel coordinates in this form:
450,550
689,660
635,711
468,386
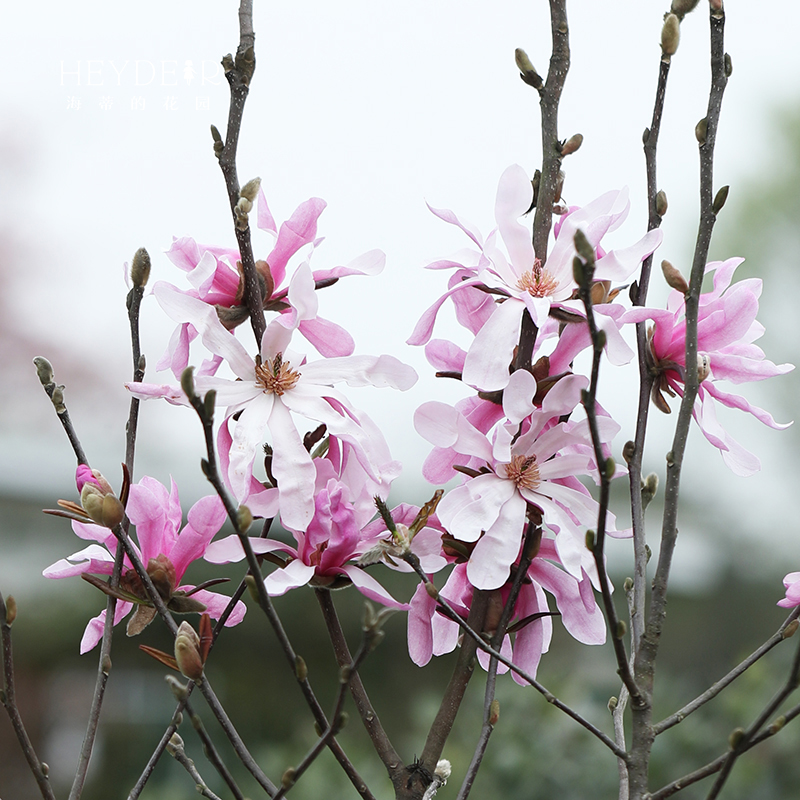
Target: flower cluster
292,445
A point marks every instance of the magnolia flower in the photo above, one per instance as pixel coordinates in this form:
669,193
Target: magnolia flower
432,633
522,283
792,584
726,330
268,390
324,552
164,551
537,468
214,274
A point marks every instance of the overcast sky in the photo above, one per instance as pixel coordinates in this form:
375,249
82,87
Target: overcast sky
375,107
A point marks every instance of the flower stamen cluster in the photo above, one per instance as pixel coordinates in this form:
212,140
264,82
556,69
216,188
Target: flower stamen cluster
524,472
538,282
276,377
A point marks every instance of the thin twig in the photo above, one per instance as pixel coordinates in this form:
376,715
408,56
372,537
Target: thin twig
38,768
103,671
239,73
56,394
549,98
176,750
233,736
738,670
642,731
645,379
380,740
211,472
348,673
533,533
605,468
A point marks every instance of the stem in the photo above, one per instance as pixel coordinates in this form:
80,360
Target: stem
714,690
239,73
589,400
533,534
234,738
380,740
454,694
643,733
265,603
349,672
549,98
9,700
103,671
645,379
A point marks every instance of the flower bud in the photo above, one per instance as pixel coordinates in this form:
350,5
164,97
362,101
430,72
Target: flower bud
661,203
735,739
250,190
719,199
628,450
703,367
443,770
682,7
612,704
670,35
572,144
187,382
787,632
288,778
494,712
674,278
104,509
716,8
11,610
621,630
219,145
175,744
187,652
777,725
300,668
728,65
44,369
701,130
527,71
609,468
140,267
627,586
244,518
590,539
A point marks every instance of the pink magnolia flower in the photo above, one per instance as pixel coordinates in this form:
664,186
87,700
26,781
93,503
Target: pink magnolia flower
538,468
163,548
726,330
268,390
215,278
431,633
792,584
521,282
324,552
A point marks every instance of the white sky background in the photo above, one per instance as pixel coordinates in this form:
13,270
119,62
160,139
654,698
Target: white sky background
375,107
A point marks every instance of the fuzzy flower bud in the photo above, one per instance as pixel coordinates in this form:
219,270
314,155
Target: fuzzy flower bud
682,7
572,144
526,69
674,278
670,36
103,508
187,652
661,203
11,610
140,267
250,189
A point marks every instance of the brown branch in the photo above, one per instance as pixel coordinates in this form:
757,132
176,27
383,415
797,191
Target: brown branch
549,98
37,767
